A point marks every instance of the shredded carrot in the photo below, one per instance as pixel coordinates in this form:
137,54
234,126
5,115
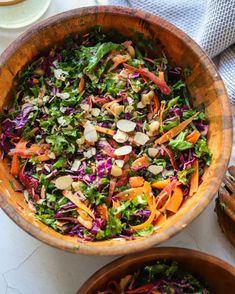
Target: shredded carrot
152,207
139,163
24,152
136,181
175,201
171,156
174,131
156,104
43,157
103,211
161,184
160,220
74,199
193,137
15,166
161,76
194,180
104,130
161,84
81,85
130,193
84,215
161,111
165,194
111,102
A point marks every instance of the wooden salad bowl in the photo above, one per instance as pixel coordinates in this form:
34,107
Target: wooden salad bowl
219,275
204,84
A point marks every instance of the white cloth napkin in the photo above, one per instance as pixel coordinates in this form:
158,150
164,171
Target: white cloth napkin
211,23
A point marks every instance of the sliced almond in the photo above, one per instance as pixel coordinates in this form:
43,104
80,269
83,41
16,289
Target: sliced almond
76,186
64,182
126,125
75,165
152,152
85,106
119,163
141,138
81,140
90,133
120,137
155,169
95,112
124,150
90,152
140,105
116,171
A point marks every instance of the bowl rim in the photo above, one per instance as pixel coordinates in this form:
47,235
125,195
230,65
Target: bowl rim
139,245
154,254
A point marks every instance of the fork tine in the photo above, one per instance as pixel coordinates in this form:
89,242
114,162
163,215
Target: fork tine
229,183
231,170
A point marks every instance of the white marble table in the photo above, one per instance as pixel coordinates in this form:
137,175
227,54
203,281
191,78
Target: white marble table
28,266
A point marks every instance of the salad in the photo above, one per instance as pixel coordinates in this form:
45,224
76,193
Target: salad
162,277
103,137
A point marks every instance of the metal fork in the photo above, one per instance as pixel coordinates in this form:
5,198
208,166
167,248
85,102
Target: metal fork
227,193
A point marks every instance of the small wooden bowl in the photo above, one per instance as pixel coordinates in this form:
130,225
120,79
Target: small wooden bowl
204,83
219,274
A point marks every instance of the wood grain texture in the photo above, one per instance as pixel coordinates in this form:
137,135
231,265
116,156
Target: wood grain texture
204,83
226,223
219,275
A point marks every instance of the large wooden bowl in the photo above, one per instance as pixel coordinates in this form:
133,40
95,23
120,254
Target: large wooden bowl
204,84
219,274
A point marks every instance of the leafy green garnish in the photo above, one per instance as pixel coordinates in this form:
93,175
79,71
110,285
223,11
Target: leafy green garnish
202,151
180,143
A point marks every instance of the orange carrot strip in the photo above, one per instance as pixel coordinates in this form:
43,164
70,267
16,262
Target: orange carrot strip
130,193
136,182
103,211
161,76
161,184
194,181
193,137
22,151
174,131
105,130
152,207
74,199
43,157
84,215
108,104
81,85
156,104
171,156
15,166
162,85
160,220
139,163
165,194
175,201
162,108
